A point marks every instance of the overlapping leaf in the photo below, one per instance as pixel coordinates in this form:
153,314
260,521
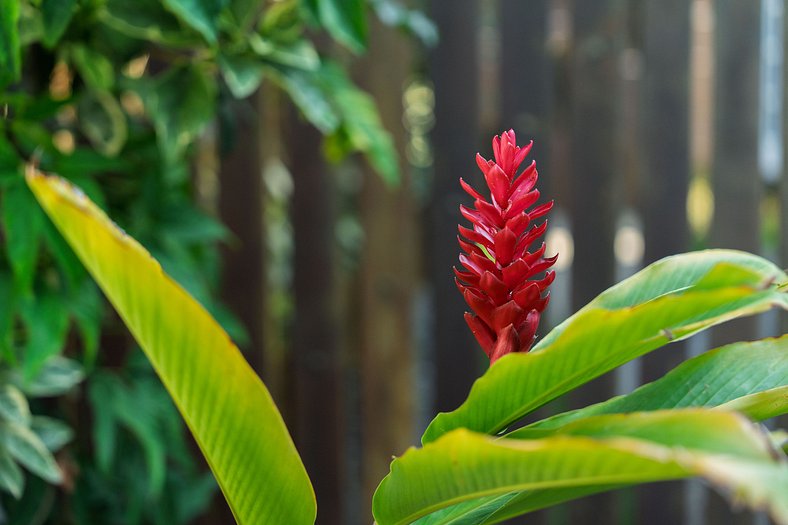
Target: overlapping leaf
224,403
591,455
669,300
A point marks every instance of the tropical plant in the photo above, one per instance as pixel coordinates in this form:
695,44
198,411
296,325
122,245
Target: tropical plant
698,420
84,84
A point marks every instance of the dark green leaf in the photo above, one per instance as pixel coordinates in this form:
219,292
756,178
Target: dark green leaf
47,320
307,93
23,223
56,17
103,121
87,309
52,433
148,20
346,21
10,53
101,392
13,406
361,124
25,447
7,312
201,15
12,480
245,12
95,69
180,103
242,74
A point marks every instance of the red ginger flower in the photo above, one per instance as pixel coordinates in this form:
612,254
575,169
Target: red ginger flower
499,283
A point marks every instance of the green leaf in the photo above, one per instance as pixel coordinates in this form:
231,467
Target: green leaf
198,14
282,22
761,405
87,309
57,376
7,314
226,406
23,223
393,13
53,434
307,93
361,126
180,102
131,407
670,300
148,20
346,21
13,406
597,453
103,121
727,377
300,54
47,322
95,69
12,480
25,447
10,52
56,15
242,74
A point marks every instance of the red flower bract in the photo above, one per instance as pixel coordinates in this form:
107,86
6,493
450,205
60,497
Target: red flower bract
500,281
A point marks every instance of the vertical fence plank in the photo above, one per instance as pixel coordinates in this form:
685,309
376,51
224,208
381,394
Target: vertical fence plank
666,169
595,53
525,75
241,210
735,179
318,428
454,68
388,275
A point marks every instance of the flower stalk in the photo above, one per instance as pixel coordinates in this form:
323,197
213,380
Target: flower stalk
502,280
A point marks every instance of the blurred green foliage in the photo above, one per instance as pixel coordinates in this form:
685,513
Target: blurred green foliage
112,95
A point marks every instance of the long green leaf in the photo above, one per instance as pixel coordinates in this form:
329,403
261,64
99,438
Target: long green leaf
226,406
726,376
597,452
670,300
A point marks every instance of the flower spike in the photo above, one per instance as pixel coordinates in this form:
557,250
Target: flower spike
502,281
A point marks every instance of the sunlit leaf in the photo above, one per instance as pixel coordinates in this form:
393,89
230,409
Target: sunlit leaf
595,454
670,300
726,376
225,405
13,406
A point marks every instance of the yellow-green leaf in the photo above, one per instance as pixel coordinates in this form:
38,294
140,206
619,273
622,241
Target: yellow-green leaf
225,405
670,300
593,454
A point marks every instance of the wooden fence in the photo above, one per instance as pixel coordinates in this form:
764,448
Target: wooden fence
658,128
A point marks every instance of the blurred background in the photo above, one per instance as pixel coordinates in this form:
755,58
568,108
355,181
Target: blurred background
295,165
